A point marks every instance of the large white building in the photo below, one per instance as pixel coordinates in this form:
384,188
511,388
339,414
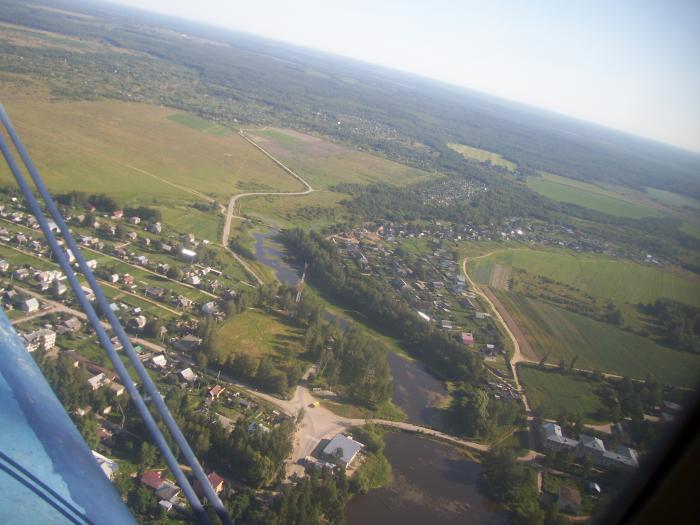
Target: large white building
342,450
43,338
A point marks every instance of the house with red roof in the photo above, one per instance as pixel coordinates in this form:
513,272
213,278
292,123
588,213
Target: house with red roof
216,481
153,479
467,338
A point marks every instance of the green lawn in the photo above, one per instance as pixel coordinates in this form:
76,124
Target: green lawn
589,196
185,219
482,155
564,334
324,164
599,276
556,392
257,333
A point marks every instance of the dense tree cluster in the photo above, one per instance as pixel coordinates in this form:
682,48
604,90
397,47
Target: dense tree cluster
351,362
144,212
79,199
678,323
474,413
512,483
236,245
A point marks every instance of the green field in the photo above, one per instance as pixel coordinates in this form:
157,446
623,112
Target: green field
195,122
317,209
482,155
673,199
184,218
599,276
556,392
324,164
590,196
691,229
135,152
256,333
564,334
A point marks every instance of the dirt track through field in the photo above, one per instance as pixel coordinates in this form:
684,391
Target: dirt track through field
500,275
525,347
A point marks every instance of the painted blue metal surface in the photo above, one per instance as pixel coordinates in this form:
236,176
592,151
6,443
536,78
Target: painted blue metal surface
47,473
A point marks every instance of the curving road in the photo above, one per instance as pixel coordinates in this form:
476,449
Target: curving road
230,211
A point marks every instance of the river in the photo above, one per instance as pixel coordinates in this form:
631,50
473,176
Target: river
432,482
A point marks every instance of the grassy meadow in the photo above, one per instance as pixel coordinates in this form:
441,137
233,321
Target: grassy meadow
259,334
673,199
556,392
590,196
324,164
316,209
564,335
599,276
136,152
482,155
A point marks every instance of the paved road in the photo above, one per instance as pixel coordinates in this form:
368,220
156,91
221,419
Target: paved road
230,212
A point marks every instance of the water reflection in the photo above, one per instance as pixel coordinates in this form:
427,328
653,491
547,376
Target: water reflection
433,483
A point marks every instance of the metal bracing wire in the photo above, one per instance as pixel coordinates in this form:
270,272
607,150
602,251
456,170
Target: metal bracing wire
150,387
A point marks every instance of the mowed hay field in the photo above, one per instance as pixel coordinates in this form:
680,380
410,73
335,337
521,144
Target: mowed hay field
482,155
324,164
590,196
136,152
257,333
599,276
564,334
556,392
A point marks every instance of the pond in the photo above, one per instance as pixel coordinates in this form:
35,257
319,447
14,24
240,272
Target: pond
433,483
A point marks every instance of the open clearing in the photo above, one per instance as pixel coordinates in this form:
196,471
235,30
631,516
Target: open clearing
673,199
324,164
135,152
556,393
482,155
256,333
316,209
590,196
599,276
564,334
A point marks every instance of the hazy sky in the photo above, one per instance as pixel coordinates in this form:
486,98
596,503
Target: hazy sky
628,64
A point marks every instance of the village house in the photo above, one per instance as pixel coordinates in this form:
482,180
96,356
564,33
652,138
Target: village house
159,361
43,338
109,467
210,308
467,338
30,305
215,392
97,381
188,375
188,343
216,482
137,322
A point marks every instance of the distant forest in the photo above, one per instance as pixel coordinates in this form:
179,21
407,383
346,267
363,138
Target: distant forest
235,78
